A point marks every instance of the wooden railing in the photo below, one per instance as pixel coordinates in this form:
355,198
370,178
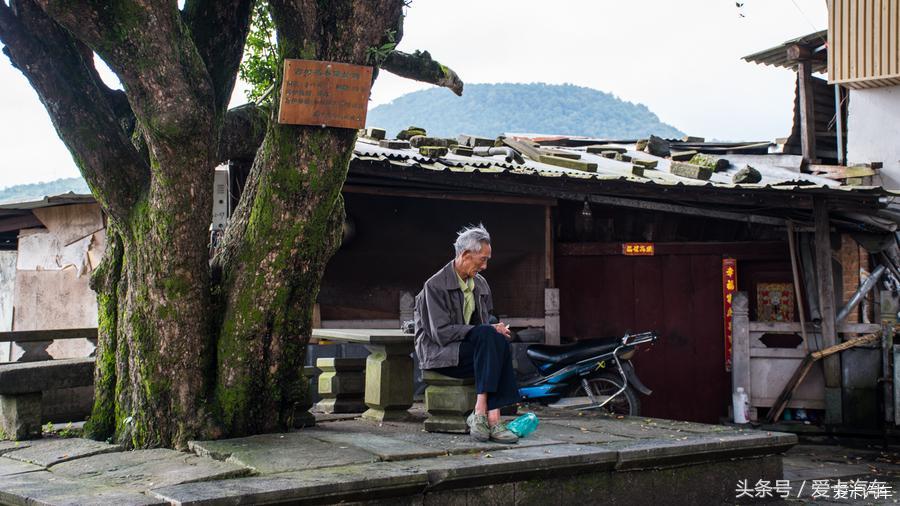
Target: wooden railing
35,342
31,336
763,371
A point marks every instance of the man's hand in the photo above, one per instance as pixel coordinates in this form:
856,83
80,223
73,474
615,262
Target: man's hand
503,329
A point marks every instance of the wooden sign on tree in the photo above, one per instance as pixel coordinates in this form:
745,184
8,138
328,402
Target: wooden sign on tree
324,93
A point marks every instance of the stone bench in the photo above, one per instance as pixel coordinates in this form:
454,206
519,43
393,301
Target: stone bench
388,373
447,402
22,385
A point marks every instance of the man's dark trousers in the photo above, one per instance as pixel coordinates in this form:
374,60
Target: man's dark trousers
485,354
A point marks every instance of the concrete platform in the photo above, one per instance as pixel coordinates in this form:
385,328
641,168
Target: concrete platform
587,459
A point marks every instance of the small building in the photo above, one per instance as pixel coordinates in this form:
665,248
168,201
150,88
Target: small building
597,239
606,248
48,249
850,118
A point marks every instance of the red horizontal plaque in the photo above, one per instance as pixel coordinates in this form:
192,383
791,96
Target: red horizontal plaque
324,93
646,249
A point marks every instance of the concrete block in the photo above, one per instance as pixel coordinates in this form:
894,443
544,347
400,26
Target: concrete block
433,151
418,141
375,133
393,144
646,164
341,385
20,415
345,384
410,132
683,156
448,401
462,150
389,385
599,149
692,171
472,141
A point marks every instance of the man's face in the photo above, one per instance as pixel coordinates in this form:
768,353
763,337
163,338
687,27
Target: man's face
475,262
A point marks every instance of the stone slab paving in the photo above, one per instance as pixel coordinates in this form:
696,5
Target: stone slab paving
407,477
10,466
383,447
145,469
8,446
46,488
356,482
415,434
278,453
358,460
48,452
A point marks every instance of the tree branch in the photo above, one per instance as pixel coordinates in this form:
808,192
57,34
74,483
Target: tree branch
62,73
419,66
242,133
149,47
221,49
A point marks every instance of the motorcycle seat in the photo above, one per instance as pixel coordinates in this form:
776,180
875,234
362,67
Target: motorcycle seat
571,353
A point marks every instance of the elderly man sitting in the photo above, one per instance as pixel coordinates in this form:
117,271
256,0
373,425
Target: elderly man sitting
454,336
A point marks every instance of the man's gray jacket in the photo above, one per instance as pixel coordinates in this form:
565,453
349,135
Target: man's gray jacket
439,317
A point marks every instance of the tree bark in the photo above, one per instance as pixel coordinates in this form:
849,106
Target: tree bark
191,348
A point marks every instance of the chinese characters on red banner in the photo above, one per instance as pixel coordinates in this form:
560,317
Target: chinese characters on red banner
729,286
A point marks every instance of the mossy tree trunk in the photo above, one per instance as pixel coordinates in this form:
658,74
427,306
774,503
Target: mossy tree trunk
193,347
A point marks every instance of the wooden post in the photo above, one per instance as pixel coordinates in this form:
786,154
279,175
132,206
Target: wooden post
551,316
740,347
549,281
792,244
825,277
888,315
807,113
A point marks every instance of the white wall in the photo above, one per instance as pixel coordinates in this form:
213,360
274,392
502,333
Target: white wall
53,271
873,131
7,287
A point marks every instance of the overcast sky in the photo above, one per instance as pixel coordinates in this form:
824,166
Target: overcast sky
680,58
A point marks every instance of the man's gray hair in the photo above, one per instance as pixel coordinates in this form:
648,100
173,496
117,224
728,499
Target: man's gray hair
471,238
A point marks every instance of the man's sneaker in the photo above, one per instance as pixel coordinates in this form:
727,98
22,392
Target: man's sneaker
500,434
478,427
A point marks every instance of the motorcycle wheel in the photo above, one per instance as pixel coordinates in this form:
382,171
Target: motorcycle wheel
604,384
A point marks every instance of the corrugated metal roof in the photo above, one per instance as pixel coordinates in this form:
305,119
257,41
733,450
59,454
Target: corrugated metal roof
777,56
776,169
48,201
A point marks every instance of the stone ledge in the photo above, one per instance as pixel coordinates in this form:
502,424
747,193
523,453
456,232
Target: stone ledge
659,454
348,483
30,377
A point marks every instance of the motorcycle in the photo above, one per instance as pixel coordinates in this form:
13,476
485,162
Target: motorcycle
599,369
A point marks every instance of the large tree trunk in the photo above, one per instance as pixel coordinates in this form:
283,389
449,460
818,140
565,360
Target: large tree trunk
188,347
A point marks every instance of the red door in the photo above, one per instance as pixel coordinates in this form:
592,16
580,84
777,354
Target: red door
679,295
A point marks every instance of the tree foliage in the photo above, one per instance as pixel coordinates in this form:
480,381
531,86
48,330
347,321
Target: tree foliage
260,56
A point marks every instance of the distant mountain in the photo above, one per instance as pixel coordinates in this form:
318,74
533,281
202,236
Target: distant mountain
491,109
36,191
